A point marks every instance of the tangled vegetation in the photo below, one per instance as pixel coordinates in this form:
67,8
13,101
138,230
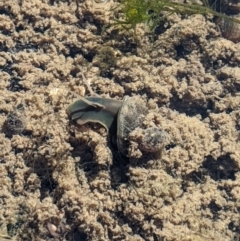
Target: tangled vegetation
133,12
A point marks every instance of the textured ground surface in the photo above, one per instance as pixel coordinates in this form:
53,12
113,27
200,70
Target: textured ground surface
59,182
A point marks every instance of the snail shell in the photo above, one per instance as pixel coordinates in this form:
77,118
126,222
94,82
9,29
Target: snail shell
131,116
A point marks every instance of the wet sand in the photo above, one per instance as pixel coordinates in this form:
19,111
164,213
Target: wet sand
62,182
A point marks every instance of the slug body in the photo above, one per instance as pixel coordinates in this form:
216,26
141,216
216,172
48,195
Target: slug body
95,109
